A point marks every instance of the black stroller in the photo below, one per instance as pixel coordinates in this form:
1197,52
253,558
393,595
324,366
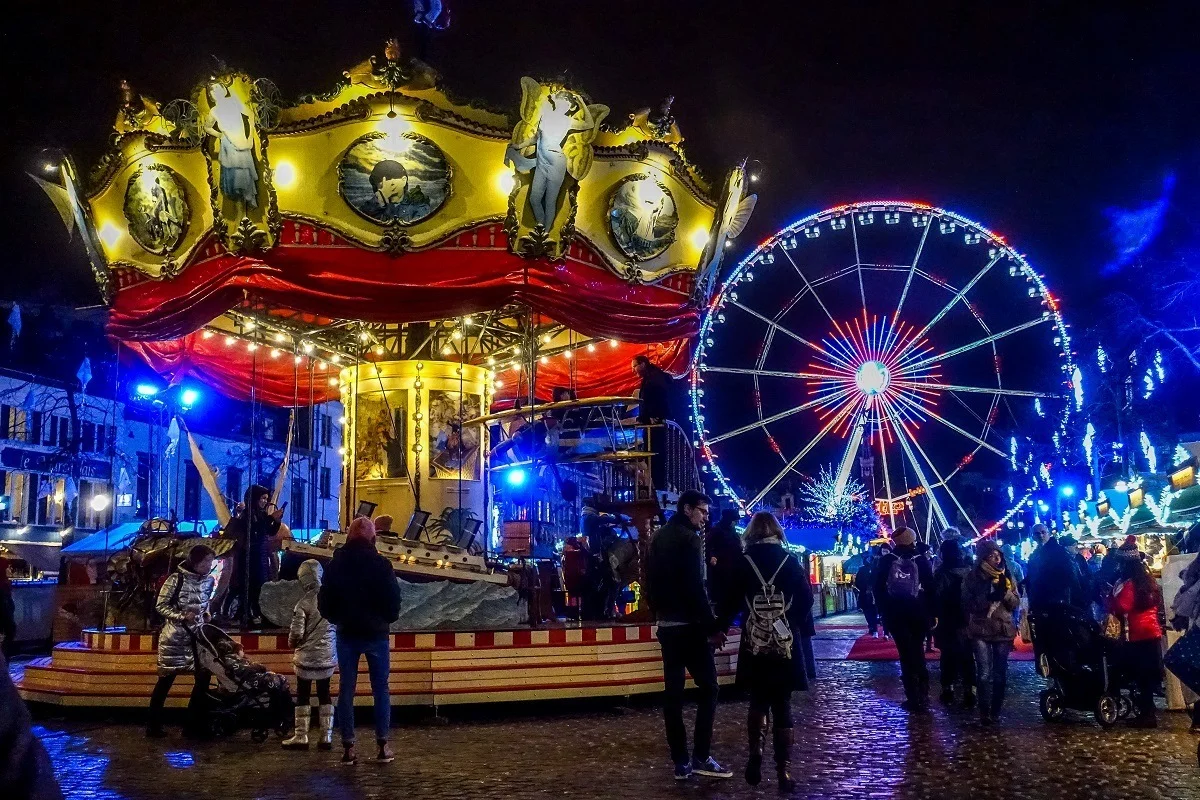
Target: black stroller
246,695
1078,661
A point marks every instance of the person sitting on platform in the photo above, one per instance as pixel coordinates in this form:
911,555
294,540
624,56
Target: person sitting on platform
183,603
528,443
314,659
383,524
361,597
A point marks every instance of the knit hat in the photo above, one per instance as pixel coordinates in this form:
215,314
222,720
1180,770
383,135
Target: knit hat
984,547
1130,544
361,529
905,537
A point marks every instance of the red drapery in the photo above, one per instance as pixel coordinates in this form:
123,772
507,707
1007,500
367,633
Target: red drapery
313,271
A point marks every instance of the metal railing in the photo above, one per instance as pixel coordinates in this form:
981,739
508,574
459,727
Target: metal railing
681,471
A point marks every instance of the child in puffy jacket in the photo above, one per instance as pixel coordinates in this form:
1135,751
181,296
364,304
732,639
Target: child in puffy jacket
314,659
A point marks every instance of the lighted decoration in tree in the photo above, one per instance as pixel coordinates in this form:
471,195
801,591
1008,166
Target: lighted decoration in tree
896,327
848,508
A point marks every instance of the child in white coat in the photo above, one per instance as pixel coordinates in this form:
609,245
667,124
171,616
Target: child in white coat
315,659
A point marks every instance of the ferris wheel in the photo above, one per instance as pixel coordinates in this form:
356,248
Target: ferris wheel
894,340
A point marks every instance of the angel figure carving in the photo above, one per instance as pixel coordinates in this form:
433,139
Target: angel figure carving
229,121
731,220
553,139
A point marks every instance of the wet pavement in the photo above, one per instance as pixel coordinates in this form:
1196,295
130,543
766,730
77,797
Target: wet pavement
853,742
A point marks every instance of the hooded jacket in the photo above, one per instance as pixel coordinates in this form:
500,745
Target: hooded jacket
904,612
989,605
947,590
311,634
182,591
360,594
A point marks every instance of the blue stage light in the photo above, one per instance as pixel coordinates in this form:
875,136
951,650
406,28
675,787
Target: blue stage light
515,477
1068,491
188,397
146,390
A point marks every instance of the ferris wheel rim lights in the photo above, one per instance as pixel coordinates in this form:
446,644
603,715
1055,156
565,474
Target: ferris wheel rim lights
787,238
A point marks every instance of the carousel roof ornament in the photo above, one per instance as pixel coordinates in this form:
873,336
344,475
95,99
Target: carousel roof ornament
389,200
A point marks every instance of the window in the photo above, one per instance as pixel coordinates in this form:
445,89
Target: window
326,430
297,512
326,483
191,491
233,484
143,486
87,443
49,429
64,432
35,426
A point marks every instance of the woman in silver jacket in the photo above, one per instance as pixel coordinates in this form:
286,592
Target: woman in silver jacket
183,603
314,660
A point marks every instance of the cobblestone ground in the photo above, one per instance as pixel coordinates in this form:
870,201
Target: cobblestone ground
854,742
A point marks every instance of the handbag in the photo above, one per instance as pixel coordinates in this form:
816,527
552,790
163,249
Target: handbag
1113,628
1183,659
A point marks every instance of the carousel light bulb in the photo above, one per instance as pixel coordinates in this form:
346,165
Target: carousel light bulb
378,349
249,326
499,384
333,381
567,354
252,346
274,353
229,341
284,174
516,350
491,361
364,337
505,182
545,338
279,337
321,365
468,320
298,359
307,347
341,451
591,348
335,358
543,360
613,343
456,335
446,350
699,238
209,334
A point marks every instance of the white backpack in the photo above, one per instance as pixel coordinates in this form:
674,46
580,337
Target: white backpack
767,627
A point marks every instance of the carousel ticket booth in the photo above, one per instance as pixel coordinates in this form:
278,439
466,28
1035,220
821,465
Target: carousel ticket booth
428,262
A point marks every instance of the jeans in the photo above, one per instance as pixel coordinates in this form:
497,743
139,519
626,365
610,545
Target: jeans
685,647
866,604
910,642
377,653
197,703
991,670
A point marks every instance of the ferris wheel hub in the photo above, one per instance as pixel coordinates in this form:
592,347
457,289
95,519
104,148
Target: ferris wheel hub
872,377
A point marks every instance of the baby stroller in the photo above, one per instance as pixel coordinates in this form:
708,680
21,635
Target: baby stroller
246,695
1078,661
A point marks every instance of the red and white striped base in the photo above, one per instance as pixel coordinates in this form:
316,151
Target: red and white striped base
431,669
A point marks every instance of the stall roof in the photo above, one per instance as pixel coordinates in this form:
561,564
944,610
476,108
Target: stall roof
42,556
121,535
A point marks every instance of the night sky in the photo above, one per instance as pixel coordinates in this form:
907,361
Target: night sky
1035,119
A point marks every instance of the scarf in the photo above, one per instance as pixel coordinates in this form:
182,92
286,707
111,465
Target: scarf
997,576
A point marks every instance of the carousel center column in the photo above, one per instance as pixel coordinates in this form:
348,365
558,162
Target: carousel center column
406,448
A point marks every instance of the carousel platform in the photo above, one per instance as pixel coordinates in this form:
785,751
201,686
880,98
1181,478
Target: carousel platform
117,669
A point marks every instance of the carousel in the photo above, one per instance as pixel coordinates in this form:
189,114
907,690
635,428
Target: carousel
471,285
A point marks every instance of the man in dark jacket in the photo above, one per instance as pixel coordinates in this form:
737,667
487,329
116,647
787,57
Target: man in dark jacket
903,590
1052,578
864,584
687,631
723,552
361,597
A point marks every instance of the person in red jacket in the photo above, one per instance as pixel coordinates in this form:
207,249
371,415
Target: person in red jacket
1136,598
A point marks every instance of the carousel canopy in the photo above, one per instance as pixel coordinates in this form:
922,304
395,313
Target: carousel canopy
230,229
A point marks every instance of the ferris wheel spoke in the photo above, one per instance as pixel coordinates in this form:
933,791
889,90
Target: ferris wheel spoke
977,343
766,373
830,425
773,324
957,298
807,284
912,270
934,415
949,387
902,436
781,415
887,478
862,291
943,483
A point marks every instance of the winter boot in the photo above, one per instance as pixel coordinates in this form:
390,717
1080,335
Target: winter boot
783,738
325,718
299,738
756,726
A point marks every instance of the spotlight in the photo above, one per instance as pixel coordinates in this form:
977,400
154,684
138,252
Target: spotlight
188,397
515,477
146,390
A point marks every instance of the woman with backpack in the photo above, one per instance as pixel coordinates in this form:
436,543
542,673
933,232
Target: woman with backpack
903,590
990,600
773,589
